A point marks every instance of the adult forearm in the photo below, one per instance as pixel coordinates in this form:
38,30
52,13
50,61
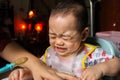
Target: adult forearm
39,69
13,51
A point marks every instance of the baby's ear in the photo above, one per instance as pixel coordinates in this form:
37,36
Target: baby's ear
84,34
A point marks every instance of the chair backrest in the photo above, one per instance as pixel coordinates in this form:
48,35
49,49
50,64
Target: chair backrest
105,44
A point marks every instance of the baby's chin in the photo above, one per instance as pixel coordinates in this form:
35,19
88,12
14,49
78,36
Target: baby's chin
61,54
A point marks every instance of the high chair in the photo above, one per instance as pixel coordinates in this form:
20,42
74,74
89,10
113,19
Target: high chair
105,44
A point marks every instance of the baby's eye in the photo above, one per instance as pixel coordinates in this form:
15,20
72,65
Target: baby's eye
52,37
66,37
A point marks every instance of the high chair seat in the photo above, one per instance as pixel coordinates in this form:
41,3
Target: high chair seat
105,44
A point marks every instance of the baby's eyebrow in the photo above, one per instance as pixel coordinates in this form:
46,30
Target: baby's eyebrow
61,35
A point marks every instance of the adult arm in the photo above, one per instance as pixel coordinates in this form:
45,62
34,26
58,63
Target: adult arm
11,51
39,70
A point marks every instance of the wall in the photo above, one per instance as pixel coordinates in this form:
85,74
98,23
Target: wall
110,15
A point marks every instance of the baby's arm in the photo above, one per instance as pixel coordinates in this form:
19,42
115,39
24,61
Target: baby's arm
108,68
21,74
101,64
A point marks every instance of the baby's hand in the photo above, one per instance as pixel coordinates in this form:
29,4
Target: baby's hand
92,73
21,74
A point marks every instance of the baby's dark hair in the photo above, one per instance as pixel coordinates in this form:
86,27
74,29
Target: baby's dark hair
77,8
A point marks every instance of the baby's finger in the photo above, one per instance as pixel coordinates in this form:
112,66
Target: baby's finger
21,73
84,75
14,75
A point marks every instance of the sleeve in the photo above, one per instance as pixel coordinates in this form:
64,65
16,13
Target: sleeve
4,39
99,55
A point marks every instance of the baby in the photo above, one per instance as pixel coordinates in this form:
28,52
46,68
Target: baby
68,52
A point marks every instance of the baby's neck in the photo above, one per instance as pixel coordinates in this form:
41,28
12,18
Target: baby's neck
66,57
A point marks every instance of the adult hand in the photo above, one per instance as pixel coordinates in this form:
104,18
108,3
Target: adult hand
67,76
43,72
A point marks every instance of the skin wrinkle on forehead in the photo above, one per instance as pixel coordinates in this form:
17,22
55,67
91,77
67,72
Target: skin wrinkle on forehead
67,25
71,12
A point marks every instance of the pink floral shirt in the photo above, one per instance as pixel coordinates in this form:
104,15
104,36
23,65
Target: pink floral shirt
73,65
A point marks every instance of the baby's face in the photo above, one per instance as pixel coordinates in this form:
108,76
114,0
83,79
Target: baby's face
63,35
